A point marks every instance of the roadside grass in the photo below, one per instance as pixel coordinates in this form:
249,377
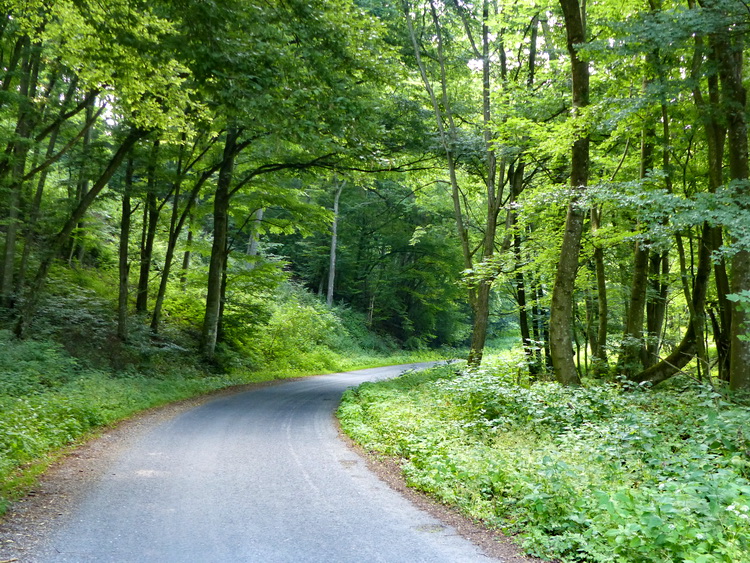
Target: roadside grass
49,400
601,473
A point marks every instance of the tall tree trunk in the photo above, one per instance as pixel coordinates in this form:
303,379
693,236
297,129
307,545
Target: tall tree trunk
561,308
217,264
186,256
124,263
31,230
516,183
482,304
150,222
715,132
334,242
656,306
630,360
176,224
478,296
697,314
19,152
723,320
78,244
729,47
599,350
252,241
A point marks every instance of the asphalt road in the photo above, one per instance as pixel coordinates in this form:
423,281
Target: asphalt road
259,476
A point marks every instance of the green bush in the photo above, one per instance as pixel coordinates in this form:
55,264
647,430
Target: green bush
32,366
586,474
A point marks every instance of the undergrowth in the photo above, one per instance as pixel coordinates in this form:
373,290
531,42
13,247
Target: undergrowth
601,473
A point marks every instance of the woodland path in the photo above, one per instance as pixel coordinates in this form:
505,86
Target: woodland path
260,475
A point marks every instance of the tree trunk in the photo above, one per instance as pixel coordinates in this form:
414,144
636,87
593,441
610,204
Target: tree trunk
729,47
561,308
523,313
186,256
217,264
175,228
19,152
482,306
630,360
78,246
252,241
150,222
334,242
31,230
124,263
697,315
478,296
723,320
656,306
687,348
599,351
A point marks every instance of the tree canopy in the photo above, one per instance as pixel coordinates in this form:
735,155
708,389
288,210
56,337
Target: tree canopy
574,175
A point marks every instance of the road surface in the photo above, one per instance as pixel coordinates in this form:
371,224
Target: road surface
258,476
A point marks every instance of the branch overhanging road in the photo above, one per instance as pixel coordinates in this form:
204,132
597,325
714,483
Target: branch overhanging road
257,476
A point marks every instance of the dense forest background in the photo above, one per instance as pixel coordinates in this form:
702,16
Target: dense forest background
575,175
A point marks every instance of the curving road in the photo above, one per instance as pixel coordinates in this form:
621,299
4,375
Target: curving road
257,476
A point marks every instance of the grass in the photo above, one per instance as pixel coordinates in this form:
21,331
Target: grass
600,473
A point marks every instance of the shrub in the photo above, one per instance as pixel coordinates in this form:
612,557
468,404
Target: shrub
583,474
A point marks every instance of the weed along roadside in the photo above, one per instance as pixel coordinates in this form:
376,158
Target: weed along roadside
596,473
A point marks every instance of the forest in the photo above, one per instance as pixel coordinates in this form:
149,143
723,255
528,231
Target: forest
207,191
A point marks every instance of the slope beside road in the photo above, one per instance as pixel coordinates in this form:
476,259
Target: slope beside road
260,475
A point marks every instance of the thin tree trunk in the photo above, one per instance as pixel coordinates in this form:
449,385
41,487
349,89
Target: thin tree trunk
523,312
478,297
19,152
124,263
150,222
561,308
78,244
186,256
599,351
482,306
723,320
252,241
697,315
174,233
217,264
630,360
176,224
34,213
334,242
656,307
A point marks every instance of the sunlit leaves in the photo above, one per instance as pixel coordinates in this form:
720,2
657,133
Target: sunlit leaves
119,51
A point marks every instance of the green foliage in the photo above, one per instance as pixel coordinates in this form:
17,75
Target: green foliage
590,474
300,334
742,300
33,367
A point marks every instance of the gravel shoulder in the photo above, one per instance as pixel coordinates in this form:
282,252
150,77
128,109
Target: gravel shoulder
63,485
